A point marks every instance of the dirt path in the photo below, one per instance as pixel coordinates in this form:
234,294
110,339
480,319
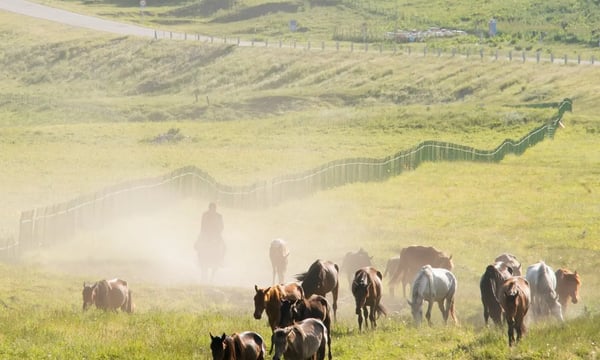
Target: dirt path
66,17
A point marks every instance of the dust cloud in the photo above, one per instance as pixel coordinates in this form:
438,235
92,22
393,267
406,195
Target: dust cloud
158,247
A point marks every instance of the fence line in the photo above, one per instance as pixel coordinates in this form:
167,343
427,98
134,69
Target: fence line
41,226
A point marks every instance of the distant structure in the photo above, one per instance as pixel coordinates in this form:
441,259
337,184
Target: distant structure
492,28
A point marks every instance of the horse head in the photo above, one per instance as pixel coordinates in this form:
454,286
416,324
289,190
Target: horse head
260,300
89,295
218,346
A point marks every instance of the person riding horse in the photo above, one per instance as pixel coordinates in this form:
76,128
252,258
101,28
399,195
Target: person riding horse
210,245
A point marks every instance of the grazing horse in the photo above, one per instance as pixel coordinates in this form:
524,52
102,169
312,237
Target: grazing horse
514,297
269,300
354,261
108,295
412,258
278,254
567,287
493,277
321,278
316,307
433,285
544,299
247,345
367,290
303,340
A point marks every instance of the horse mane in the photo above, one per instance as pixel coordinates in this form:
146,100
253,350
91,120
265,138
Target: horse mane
104,288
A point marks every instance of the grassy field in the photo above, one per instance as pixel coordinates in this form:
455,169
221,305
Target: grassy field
79,111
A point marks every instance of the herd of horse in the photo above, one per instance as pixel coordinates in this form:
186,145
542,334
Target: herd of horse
300,316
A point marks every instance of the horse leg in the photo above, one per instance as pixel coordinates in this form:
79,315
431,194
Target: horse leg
444,310
511,331
360,318
428,313
372,317
367,316
334,292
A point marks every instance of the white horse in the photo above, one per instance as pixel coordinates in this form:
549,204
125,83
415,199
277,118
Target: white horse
433,285
544,299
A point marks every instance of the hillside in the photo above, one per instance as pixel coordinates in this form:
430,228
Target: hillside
80,111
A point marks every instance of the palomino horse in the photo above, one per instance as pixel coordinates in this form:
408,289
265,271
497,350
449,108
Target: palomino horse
247,345
316,307
567,287
433,285
491,280
354,261
278,254
412,258
321,278
303,340
108,295
269,300
542,283
511,261
367,290
514,296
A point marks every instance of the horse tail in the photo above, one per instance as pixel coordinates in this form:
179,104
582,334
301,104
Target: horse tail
129,307
103,292
381,310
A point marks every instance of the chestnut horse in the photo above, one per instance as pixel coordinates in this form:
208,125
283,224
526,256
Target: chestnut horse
247,345
321,278
278,254
108,295
269,300
367,290
514,296
567,287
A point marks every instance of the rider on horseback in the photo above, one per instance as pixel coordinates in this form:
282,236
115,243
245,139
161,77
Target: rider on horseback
210,241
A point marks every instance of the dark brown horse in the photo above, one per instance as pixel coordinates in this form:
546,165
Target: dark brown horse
247,345
108,295
278,254
567,287
321,278
514,296
316,307
493,277
367,290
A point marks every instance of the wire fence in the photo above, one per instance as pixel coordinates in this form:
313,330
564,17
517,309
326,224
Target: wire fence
57,222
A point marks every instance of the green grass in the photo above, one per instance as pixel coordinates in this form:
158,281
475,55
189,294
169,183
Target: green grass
80,111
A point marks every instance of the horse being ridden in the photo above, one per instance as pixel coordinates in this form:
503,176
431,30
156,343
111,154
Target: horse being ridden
367,290
433,285
321,278
210,245
247,345
108,295
278,254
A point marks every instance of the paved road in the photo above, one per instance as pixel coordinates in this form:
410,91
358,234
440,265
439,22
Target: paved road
66,17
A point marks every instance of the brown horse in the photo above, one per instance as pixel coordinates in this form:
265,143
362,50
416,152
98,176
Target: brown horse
567,287
269,300
321,278
247,345
514,296
413,258
278,254
493,277
354,261
108,295
316,307
367,290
